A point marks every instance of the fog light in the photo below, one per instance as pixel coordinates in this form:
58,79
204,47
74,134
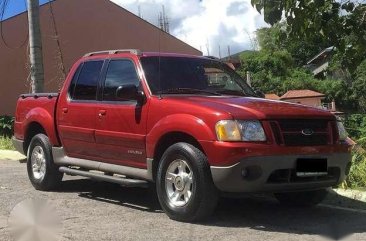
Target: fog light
251,173
244,172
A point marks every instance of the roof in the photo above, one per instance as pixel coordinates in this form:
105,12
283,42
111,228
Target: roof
297,94
272,96
322,54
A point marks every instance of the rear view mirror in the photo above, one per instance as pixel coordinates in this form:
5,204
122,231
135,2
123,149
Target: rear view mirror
129,92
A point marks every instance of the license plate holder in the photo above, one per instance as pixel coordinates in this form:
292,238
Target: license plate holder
311,167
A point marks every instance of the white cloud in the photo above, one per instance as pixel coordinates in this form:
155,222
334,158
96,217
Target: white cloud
204,23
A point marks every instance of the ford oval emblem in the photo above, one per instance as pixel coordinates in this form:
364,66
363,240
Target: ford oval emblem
307,132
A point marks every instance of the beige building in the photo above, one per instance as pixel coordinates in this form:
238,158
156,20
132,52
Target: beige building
305,97
71,28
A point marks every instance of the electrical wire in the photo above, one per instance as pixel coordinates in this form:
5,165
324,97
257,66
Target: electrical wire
63,70
2,11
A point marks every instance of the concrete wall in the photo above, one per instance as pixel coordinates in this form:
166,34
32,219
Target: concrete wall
83,26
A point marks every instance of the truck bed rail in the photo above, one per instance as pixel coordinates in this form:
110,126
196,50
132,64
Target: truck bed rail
37,95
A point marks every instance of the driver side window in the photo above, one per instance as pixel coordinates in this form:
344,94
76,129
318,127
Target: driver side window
119,72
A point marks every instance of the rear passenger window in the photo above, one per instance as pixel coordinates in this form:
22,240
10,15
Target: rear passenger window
120,72
73,81
87,82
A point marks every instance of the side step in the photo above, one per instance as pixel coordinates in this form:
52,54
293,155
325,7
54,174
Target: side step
126,182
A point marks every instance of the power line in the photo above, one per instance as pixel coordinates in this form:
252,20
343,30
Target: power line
4,5
60,55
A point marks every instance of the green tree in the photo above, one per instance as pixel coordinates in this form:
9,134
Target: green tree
277,37
359,86
341,23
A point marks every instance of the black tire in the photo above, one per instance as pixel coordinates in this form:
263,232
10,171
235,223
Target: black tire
204,195
52,177
302,199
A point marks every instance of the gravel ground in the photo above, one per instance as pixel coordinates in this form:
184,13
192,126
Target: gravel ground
101,211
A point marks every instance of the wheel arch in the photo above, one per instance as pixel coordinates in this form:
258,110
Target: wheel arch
169,139
37,121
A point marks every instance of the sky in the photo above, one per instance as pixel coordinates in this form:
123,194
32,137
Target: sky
204,24
15,7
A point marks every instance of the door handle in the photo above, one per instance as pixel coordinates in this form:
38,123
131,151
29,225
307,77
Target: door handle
102,113
65,110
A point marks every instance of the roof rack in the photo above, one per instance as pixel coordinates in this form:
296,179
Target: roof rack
211,57
115,51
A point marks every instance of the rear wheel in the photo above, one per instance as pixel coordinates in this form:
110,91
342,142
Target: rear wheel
42,172
302,199
184,184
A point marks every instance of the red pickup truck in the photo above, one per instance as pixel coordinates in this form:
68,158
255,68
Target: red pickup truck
189,124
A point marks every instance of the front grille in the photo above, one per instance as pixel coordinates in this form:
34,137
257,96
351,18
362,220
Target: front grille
301,132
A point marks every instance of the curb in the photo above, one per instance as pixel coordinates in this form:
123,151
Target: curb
352,194
11,155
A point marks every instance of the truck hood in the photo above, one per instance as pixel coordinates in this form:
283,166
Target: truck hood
256,108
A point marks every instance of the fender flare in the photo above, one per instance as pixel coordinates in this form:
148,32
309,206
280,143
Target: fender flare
43,118
184,123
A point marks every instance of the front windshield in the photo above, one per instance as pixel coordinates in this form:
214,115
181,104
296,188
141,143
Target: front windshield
193,75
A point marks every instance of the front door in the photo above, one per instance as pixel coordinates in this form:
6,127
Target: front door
121,125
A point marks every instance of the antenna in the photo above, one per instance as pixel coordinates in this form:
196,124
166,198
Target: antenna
208,48
159,71
163,20
139,11
228,52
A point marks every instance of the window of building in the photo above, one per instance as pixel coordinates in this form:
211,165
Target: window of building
87,82
120,72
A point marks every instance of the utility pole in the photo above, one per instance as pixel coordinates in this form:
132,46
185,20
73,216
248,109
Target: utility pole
35,47
249,81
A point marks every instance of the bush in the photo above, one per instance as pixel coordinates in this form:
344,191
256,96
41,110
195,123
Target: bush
6,126
357,176
356,127
6,144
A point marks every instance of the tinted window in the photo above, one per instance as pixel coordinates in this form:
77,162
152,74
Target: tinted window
86,85
73,81
120,72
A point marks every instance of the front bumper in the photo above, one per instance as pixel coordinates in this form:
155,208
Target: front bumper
18,144
277,173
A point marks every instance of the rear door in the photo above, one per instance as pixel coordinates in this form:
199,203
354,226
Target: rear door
77,111
121,125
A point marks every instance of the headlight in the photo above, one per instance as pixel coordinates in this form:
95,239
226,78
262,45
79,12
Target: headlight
232,130
341,131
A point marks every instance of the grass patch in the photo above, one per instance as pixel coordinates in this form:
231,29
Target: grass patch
357,176
6,144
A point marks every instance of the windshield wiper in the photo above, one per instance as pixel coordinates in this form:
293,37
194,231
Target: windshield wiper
187,91
232,92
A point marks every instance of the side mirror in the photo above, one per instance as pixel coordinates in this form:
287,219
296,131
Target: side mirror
260,94
129,92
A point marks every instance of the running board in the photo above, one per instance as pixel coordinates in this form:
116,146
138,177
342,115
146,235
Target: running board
61,159
126,182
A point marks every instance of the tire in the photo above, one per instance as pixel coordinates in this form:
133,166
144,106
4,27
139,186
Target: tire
42,172
302,199
189,194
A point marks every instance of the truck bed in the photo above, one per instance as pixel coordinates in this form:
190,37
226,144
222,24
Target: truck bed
40,108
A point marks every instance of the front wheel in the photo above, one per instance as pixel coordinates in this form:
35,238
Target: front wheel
42,172
302,199
184,184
